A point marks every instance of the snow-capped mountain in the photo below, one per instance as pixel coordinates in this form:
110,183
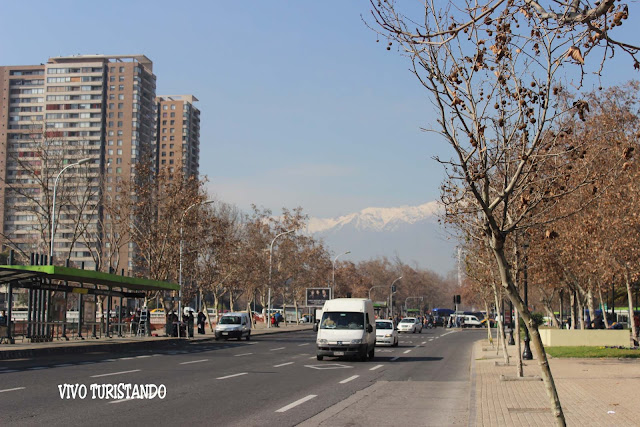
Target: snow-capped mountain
410,232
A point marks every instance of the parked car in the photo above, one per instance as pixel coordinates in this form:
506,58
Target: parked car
410,324
471,321
386,333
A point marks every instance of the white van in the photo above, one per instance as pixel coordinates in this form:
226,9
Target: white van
234,325
470,321
347,328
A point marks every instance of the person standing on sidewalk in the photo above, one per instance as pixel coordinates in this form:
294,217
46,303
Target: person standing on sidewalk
201,320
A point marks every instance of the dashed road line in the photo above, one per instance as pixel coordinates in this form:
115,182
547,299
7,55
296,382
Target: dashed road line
37,368
406,351
376,367
242,354
12,389
142,357
279,348
126,358
349,379
194,361
296,403
283,364
231,376
395,358
312,357
300,345
8,371
119,401
114,373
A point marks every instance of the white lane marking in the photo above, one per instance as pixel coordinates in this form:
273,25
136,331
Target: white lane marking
300,345
395,358
406,351
231,376
121,400
243,354
424,342
376,367
110,360
283,364
279,348
114,373
251,343
86,363
296,403
37,368
349,379
8,371
312,357
194,361
126,358
12,389
142,357
63,365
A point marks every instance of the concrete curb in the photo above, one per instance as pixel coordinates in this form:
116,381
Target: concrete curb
147,344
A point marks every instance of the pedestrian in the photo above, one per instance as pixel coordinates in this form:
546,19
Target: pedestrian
201,319
190,321
3,318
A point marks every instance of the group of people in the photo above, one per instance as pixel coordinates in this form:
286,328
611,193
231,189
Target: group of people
276,318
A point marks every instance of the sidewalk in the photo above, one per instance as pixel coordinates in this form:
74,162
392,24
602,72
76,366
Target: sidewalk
28,349
593,392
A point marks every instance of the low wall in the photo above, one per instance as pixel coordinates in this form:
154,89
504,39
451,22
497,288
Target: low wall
585,337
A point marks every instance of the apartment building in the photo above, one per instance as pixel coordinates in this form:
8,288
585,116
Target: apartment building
96,107
178,134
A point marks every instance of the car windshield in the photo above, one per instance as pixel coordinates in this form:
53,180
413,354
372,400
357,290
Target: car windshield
384,325
230,320
347,320
408,320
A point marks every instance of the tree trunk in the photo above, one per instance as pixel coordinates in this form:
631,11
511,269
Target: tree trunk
604,315
592,311
552,316
561,308
216,303
572,299
501,339
284,309
206,313
295,307
497,245
630,302
486,310
580,311
519,370
231,301
250,313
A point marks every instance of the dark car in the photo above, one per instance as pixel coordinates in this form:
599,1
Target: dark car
438,321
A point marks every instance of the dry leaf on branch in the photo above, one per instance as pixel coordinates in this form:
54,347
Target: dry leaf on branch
574,52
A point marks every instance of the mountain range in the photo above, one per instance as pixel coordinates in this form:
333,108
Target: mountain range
411,233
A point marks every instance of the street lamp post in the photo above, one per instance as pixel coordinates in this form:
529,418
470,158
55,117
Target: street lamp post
206,202
526,354
53,207
391,295
333,279
373,287
268,316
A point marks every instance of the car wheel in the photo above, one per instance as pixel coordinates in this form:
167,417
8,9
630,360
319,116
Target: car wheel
420,331
319,357
372,354
248,336
396,343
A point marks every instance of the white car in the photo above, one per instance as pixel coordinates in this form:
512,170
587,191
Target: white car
410,324
386,333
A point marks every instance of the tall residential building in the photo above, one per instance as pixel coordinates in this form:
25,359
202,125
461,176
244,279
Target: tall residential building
99,107
178,134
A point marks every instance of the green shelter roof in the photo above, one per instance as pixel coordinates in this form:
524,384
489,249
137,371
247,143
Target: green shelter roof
9,273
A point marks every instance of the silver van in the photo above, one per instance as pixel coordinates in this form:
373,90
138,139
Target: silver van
234,325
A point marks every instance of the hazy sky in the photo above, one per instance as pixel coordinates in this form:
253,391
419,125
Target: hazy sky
300,105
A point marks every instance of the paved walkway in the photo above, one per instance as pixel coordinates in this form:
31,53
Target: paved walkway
26,348
593,392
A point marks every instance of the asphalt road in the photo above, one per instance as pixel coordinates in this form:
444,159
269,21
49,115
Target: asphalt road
270,380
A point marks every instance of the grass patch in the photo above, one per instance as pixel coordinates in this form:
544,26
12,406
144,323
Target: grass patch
592,352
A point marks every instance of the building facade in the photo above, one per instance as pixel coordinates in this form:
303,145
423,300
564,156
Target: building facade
178,135
96,107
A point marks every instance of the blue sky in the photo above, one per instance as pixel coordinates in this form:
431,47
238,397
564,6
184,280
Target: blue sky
300,105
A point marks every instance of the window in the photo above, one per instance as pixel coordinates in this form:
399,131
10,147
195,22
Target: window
112,78
110,124
119,143
171,161
173,107
173,114
119,151
121,96
111,106
121,78
118,170
110,142
164,115
173,122
119,124
121,69
164,162
110,151
164,146
171,138
112,87
118,161
121,87
165,107
120,106
111,115
164,138
120,115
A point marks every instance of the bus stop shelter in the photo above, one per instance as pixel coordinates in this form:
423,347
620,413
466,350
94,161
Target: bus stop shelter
48,289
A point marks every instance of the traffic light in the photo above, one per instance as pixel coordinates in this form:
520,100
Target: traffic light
393,289
457,299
